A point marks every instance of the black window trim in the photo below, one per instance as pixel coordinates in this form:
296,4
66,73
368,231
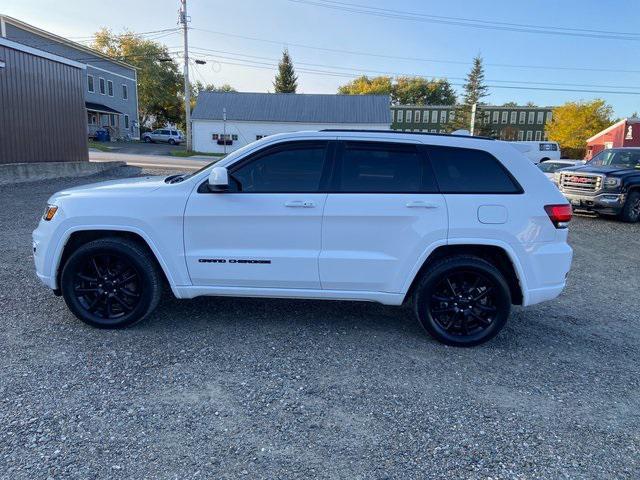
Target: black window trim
516,184
270,149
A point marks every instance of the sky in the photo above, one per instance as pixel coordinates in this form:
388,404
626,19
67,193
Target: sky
241,41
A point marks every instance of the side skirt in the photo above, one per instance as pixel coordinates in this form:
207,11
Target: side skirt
363,296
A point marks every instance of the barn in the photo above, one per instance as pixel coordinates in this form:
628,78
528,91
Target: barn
225,121
625,133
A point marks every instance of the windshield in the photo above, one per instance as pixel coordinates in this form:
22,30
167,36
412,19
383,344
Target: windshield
617,158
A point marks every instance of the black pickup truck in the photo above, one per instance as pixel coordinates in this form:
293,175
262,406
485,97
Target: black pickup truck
608,184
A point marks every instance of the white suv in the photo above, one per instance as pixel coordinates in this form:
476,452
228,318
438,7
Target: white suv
459,227
168,135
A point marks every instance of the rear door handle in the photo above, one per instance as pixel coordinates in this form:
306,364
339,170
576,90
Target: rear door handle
299,204
421,204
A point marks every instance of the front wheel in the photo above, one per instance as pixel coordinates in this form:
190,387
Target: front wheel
111,283
146,140
172,141
462,301
631,210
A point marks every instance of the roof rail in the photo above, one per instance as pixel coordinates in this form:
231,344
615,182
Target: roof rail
356,130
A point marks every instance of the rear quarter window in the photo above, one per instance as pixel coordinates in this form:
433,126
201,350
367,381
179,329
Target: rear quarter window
465,170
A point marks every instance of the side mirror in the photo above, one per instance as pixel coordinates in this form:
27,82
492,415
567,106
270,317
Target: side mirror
219,179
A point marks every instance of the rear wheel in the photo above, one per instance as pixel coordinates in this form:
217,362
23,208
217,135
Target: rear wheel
462,301
172,141
631,210
146,139
111,283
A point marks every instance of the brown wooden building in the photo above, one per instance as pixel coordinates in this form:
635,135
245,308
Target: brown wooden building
42,106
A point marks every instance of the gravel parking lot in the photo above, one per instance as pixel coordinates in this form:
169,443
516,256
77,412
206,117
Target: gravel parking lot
249,388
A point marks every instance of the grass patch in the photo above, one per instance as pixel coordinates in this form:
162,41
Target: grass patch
191,153
99,146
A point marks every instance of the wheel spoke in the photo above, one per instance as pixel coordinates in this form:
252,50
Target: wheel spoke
440,298
95,266
109,309
87,278
124,305
485,308
129,293
86,290
450,285
438,311
484,321
483,294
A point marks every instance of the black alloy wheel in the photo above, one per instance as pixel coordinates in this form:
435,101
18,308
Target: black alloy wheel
463,301
631,210
111,283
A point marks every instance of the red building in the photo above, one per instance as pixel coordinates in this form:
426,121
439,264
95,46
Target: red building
625,133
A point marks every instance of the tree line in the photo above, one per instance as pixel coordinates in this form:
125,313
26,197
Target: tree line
161,94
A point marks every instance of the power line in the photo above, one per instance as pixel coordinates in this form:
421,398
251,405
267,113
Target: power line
272,66
396,74
418,17
412,59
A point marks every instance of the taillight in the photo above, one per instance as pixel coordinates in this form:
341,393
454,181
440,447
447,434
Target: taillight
560,215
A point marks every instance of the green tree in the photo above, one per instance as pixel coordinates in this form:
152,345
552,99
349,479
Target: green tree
160,86
574,122
210,87
475,91
510,104
364,85
286,80
420,91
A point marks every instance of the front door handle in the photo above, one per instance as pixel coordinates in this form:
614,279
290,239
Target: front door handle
299,204
421,204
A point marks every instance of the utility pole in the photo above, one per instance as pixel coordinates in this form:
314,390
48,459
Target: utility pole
184,19
473,118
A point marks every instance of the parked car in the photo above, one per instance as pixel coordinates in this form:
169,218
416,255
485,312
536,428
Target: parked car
458,227
609,184
550,167
168,135
539,152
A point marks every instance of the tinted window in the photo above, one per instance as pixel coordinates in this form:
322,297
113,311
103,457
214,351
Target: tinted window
295,168
381,167
463,170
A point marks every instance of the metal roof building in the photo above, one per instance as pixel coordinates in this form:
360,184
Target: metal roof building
251,116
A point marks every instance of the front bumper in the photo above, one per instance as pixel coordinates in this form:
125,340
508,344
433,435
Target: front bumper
607,203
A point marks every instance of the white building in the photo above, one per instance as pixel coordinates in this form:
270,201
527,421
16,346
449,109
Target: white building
251,116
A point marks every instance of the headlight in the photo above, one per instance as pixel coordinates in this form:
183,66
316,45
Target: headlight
49,212
610,182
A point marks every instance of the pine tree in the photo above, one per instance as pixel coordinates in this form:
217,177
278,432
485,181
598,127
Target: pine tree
474,91
286,79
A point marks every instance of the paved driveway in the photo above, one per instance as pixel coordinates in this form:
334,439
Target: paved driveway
262,389
141,148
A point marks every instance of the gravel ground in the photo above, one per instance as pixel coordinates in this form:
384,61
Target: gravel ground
249,388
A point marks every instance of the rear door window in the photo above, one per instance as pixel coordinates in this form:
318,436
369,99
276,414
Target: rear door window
381,167
465,170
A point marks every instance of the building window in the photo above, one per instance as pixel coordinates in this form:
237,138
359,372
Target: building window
400,116
505,117
538,135
531,117
234,137
495,117
513,118
112,120
409,116
523,117
91,118
529,135
417,116
103,90
485,117
110,87
215,136
433,130
520,135
441,131
90,83
434,116
125,92
126,122
425,116
443,116
549,116
452,115
540,118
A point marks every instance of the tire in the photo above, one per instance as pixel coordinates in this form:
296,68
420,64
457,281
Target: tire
172,141
111,283
458,310
631,209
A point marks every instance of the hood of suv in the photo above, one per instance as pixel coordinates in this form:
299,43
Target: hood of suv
139,185
610,171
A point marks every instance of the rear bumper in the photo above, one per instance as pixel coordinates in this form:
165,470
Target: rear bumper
549,265
608,203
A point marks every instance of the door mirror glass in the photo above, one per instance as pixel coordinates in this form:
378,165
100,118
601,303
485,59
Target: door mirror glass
219,179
